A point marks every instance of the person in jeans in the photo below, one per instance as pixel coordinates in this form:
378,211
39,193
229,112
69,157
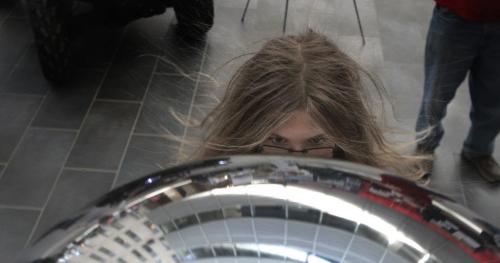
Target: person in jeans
464,38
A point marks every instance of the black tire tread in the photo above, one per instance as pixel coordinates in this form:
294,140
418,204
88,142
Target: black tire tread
48,20
194,17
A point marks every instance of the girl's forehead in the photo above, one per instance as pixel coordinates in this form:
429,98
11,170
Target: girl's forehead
299,126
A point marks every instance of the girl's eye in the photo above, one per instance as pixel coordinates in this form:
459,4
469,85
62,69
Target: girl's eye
317,141
278,140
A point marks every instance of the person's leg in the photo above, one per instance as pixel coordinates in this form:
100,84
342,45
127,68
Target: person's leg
452,44
484,87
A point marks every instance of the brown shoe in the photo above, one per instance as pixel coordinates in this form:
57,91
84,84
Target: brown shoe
485,165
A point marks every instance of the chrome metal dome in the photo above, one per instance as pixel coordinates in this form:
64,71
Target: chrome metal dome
270,209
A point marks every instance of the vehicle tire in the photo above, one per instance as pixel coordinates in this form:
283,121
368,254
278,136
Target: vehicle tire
50,21
194,17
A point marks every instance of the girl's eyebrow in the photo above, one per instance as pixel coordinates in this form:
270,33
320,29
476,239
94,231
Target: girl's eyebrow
319,136
277,135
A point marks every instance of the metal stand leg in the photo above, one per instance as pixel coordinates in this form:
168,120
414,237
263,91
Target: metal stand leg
245,11
286,15
359,22
284,21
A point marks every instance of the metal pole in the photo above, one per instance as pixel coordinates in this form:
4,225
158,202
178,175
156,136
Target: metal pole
286,15
359,22
245,11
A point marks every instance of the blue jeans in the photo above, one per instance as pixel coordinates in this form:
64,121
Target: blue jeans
454,48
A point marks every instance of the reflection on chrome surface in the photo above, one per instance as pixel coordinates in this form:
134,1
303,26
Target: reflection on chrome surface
270,209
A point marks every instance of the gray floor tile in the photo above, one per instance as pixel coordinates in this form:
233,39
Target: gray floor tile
74,191
219,65
258,24
236,4
402,43
128,82
16,113
179,56
267,17
30,174
1,168
135,44
405,13
227,40
457,122
5,71
480,196
403,80
145,155
15,231
131,70
230,37
19,10
369,56
445,175
401,32
27,76
16,38
337,17
66,106
194,131
6,8
401,10
208,95
423,13
168,95
104,135
155,28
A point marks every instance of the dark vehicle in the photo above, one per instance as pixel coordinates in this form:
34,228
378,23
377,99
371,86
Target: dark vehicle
56,22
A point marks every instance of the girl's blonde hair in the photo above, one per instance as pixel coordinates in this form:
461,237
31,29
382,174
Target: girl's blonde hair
302,72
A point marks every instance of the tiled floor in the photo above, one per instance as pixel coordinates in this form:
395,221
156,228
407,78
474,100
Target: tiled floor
111,123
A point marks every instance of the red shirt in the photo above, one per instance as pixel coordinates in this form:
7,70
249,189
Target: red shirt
474,10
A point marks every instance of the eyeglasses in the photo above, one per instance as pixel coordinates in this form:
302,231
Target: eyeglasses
326,152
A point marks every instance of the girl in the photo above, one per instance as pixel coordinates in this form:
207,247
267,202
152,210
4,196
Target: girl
302,95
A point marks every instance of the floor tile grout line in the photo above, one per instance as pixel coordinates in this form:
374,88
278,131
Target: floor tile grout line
84,169
193,98
167,74
52,129
49,196
119,101
17,17
139,112
134,125
51,191
23,136
18,62
8,93
145,134
19,207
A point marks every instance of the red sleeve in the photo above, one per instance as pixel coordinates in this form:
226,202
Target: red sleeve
474,10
